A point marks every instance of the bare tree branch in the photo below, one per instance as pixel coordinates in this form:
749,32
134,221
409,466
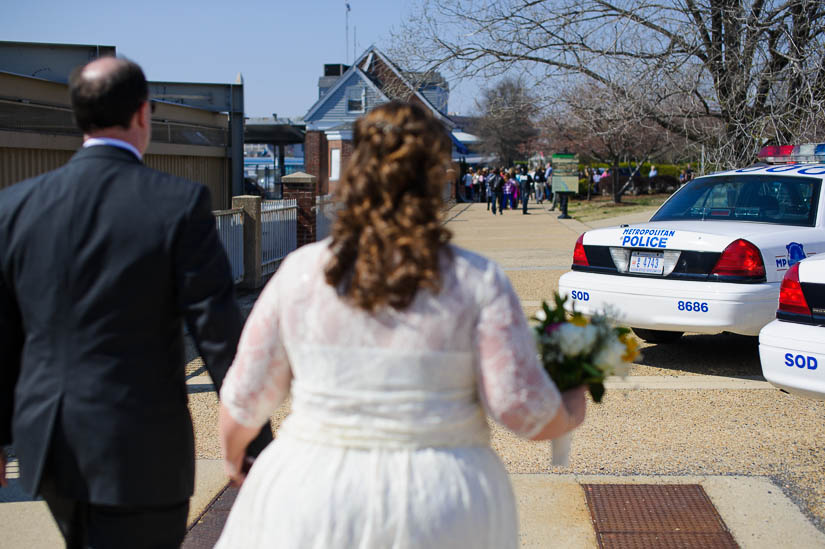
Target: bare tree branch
727,74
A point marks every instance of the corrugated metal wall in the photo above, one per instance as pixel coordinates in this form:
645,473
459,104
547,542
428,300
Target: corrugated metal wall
211,171
19,164
38,134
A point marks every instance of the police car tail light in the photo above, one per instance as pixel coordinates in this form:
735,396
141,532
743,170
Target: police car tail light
579,257
791,298
741,259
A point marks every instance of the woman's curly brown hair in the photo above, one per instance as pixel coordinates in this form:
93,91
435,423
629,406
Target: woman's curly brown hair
388,236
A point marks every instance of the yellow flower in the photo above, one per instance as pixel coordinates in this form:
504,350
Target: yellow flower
579,320
631,347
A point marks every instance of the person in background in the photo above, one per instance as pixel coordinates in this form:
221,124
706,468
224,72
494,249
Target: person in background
468,185
525,185
597,177
548,182
514,180
688,173
539,183
509,189
651,176
393,344
489,192
479,186
497,187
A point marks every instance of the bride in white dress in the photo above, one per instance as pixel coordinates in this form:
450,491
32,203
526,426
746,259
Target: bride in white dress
392,343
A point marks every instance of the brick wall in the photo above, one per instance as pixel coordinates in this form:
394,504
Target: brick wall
332,184
305,195
316,157
346,154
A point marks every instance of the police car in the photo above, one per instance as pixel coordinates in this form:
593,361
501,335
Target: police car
792,347
712,257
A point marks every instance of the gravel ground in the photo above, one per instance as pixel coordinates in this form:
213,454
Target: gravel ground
671,432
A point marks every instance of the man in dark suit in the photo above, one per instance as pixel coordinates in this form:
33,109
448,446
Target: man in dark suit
100,261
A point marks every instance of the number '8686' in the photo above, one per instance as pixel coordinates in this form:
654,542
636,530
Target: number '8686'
692,306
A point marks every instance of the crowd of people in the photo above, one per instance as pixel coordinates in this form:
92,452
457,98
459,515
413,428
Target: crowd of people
507,188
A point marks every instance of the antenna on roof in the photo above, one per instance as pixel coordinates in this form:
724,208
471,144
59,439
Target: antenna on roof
346,33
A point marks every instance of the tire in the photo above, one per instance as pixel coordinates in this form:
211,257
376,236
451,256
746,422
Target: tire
657,336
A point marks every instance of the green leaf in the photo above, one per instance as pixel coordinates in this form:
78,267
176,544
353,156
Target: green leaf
597,391
592,370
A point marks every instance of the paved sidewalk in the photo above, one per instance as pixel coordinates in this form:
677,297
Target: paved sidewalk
535,250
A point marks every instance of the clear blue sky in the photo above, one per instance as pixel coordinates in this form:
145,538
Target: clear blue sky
279,46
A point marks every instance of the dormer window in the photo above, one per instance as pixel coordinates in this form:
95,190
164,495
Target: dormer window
356,99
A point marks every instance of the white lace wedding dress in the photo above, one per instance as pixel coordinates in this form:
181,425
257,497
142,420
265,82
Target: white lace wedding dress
387,445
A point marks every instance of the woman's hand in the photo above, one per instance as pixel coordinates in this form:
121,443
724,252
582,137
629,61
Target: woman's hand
235,437
237,471
568,416
576,405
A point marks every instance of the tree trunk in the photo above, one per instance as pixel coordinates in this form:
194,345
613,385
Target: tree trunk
617,190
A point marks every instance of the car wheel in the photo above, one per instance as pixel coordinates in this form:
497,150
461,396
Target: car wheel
657,336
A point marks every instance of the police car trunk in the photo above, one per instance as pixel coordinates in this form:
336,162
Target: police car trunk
712,257
792,347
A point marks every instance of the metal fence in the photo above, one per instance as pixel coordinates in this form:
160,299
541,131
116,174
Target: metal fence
230,229
325,209
279,223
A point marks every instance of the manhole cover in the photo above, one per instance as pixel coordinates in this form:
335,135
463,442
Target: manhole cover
627,516
206,531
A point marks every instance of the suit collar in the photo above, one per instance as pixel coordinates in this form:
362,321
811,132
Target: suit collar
107,152
95,141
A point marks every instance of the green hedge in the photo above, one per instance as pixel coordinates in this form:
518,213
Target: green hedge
672,170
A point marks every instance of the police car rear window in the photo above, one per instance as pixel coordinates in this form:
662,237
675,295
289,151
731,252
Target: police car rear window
760,198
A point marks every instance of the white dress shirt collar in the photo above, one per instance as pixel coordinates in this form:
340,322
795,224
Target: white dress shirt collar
95,141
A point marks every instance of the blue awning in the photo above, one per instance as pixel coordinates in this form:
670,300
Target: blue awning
461,148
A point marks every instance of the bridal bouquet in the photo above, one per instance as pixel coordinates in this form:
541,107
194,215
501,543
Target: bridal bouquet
576,350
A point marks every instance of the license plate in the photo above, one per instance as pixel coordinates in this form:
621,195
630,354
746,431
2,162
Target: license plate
647,262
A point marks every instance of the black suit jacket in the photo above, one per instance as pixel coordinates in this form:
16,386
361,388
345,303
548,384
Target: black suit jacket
100,261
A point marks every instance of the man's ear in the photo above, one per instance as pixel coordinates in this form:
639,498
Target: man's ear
141,118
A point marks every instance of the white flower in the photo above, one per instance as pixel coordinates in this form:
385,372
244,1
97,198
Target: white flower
575,340
622,369
541,316
609,358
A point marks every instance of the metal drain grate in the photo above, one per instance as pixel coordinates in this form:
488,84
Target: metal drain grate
629,516
206,531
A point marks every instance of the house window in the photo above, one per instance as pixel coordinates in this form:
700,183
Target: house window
356,98
334,164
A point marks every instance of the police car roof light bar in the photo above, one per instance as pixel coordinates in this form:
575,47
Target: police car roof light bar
792,154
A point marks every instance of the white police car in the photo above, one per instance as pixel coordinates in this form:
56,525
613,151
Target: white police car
792,347
711,259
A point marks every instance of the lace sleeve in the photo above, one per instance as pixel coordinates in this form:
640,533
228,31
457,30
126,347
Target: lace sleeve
514,388
259,378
